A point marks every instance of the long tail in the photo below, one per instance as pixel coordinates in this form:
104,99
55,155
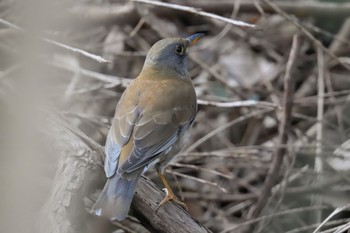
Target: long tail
115,199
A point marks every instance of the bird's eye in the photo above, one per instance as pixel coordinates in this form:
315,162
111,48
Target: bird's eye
180,49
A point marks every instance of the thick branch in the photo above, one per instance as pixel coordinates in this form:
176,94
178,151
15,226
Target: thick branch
79,174
76,176
169,218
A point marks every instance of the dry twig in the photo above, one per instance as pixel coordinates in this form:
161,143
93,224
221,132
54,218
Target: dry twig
198,12
58,44
283,131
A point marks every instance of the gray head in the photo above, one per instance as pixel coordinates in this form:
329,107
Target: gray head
171,53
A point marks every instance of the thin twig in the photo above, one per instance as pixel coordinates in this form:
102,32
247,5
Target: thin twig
198,180
223,127
309,87
199,12
335,212
211,70
197,168
110,79
305,31
330,223
298,8
285,212
283,132
225,30
343,228
281,187
137,27
319,126
237,104
61,45
339,40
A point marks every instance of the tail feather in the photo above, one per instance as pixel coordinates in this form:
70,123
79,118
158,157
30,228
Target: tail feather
115,199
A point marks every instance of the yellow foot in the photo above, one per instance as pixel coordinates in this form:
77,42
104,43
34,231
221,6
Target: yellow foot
171,197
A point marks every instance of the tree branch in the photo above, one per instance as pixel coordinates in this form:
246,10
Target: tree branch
274,171
78,176
301,8
169,218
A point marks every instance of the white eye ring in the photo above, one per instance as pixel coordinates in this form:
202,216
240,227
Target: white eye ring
180,49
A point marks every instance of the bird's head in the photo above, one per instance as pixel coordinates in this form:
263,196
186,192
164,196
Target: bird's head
171,53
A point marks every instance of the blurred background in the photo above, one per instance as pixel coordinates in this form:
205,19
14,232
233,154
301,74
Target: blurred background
47,68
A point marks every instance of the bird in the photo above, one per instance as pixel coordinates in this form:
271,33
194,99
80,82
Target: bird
151,125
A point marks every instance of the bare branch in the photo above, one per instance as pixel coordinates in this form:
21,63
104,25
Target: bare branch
271,179
335,212
79,173
223,127
198,12
306,32
319,126
238,104
58,44
298,8
170,218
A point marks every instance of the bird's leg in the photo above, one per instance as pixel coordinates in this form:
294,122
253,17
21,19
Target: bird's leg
170,196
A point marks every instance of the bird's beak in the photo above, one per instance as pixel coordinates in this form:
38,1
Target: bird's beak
194,38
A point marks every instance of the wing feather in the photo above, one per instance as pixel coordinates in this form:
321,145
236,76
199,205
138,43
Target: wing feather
117,137
154,125
147,148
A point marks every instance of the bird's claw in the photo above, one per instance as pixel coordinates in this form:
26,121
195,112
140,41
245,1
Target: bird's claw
169,196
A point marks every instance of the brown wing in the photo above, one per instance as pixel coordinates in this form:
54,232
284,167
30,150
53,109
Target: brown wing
126,114
166,110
